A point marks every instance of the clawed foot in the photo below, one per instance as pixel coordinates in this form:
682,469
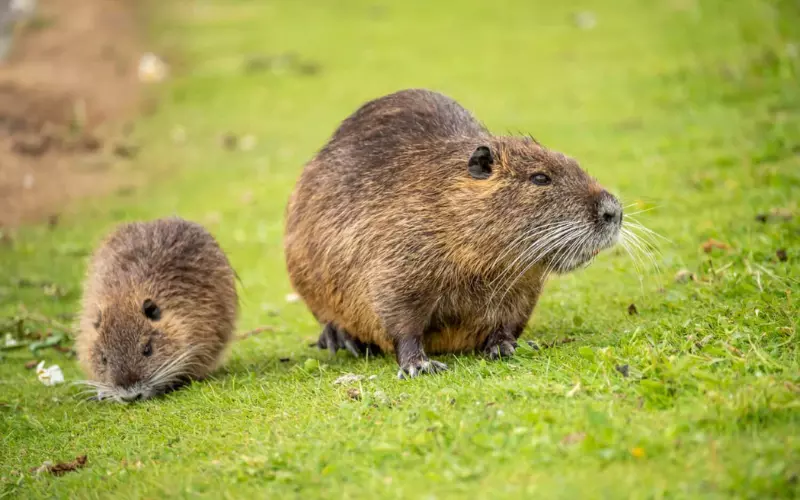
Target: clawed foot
333,339
412,359
420,366
499,345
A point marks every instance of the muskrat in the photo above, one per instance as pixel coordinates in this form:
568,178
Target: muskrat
416,231
159,307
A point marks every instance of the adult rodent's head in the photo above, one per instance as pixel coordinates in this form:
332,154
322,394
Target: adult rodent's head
159,307
516,203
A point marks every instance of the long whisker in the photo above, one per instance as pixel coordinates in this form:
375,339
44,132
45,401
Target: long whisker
627,248
535,251
172,364
636,241
572,238
641,211
547,228
571,251
183,367
549,236
634,224
179,367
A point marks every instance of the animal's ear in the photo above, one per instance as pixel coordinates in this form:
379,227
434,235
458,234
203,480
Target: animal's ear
480,163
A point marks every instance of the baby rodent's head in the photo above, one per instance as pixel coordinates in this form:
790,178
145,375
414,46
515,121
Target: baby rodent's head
137,352
159,307
534,207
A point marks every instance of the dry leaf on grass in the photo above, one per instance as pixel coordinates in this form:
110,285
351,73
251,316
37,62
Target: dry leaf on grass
572,392
348,378
354,394
779,214
684,275
61,467
254,332
711,244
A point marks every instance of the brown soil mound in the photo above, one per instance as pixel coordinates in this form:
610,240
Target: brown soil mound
70,76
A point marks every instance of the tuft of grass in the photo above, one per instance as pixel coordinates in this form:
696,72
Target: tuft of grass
688,109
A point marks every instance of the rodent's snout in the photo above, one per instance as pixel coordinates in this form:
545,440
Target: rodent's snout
609,210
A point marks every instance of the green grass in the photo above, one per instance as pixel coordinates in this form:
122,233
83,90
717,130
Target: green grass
688,107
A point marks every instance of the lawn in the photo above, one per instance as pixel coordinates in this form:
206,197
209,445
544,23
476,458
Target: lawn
687,109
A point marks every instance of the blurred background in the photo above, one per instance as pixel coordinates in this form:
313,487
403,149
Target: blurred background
113,110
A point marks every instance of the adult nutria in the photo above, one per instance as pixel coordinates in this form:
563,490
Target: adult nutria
417,231
159,307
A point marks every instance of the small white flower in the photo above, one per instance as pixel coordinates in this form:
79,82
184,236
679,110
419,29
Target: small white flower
49,376
11,341
23,8
292,297
151,68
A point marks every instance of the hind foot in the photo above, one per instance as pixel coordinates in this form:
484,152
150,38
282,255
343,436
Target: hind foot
333,339
500,344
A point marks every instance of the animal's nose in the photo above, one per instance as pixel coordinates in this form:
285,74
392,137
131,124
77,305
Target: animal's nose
130,399
609,210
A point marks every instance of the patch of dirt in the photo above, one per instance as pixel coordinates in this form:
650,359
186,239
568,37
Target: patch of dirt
68,85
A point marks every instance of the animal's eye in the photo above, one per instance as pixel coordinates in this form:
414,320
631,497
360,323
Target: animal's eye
148,348
151,310
96,323
103,359
540,179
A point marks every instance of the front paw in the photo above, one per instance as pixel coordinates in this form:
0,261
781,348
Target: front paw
420,366
500,344
504,349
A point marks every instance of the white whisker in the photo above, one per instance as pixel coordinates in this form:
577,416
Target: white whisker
636,241
634,224
550,231
561,242
641,211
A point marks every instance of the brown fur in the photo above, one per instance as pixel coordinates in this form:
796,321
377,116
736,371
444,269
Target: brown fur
177,265
391,240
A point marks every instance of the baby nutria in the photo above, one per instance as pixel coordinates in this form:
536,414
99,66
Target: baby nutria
414,230
159,307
